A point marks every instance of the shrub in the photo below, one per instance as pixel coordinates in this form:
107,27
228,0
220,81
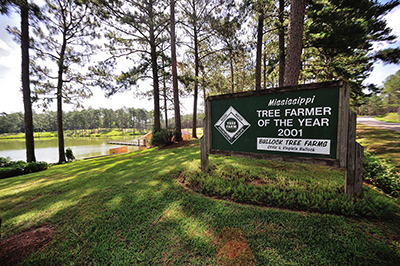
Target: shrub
69,154
292,186
177,135
21,168
381,174
162,137
4,162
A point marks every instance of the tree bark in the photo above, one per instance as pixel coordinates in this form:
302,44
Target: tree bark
165,98
281,43
178,127
154,66
196,81
265,71
60,127
295,43
26,91
232,71
260,29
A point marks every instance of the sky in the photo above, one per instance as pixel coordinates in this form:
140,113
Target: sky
10,72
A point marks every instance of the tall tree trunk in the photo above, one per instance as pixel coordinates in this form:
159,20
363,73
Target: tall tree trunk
232,71
26,91
196,81
165,99
265,71
60,128
295,43
154,66
281,43
260,31
178,127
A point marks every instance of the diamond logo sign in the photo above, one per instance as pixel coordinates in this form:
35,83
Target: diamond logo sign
231,125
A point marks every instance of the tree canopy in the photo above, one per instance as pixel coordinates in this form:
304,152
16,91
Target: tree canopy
220,46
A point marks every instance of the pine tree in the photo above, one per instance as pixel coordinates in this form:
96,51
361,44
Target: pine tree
196,15
178,127
294,43
24,8
339,36
392,90
64,40
135,32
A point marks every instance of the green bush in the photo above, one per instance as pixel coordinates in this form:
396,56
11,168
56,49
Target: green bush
162,137
20,168
69,154
292,186
381,174
4,162
177,135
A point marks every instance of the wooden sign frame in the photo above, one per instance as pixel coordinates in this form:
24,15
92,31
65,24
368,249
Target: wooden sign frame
348,154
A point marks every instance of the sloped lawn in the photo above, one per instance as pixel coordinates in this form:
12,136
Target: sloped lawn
133,209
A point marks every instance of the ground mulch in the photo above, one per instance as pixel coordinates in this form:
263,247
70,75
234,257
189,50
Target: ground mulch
15,248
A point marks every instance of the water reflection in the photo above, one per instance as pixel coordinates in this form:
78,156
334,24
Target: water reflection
47,149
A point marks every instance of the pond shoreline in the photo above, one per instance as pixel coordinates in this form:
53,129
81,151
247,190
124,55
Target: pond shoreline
46,149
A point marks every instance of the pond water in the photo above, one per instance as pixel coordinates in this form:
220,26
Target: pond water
47,149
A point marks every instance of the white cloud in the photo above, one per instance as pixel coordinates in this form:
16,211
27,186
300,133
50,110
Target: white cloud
393,20
5,47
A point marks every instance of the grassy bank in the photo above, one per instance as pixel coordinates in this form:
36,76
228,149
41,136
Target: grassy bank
384,143
81,133
390,117
132,210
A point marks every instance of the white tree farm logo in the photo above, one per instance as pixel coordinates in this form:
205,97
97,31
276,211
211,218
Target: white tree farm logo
231,125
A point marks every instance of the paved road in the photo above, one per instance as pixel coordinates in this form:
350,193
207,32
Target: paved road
369,121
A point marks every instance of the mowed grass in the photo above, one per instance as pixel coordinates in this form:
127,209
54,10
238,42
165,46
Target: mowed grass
132,210
384,143
389,117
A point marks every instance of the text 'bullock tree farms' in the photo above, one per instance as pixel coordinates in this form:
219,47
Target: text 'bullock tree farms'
302,122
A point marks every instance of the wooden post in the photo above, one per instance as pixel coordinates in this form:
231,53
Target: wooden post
343,125
359,169
204,156
351,173
208,127
204,145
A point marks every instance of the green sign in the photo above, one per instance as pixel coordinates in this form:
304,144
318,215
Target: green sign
300,123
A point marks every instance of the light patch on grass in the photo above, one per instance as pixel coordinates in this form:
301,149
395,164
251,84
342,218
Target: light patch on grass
12,200
390,117
36,216
114,203
23,187
384,143
153,183
173,212
190,224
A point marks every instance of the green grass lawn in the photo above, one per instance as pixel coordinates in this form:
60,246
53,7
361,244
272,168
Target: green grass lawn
384,143
132,209
390,117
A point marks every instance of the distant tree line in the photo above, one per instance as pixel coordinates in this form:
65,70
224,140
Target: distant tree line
380,100
187,121
137,119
